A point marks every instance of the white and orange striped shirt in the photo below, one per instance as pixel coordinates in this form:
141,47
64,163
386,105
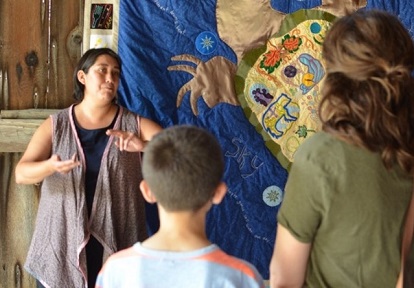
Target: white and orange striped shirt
207,267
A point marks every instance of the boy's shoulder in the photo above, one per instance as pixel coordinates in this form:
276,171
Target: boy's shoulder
220,257
244,267
123,254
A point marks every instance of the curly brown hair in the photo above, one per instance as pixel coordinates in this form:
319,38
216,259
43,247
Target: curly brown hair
368,93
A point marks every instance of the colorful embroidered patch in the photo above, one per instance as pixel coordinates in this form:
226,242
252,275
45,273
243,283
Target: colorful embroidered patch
101,16
278,84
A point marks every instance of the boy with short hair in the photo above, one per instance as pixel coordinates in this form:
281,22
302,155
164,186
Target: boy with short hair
182,169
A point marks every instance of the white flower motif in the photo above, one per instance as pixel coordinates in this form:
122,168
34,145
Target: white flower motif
207,43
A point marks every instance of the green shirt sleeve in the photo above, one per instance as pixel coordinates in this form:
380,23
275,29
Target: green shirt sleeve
303,204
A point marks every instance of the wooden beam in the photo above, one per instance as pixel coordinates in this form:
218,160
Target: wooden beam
27,113
17,127
15,134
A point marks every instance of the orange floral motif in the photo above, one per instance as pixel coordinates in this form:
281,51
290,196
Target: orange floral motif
291,43
271,60
272,57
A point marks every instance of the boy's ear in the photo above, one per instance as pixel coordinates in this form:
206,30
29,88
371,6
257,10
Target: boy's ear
81,76
221,191
146,192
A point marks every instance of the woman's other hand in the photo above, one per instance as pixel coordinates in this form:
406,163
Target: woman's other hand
63,166
127,141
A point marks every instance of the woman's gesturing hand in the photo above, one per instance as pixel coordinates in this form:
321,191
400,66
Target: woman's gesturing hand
63,166
127,141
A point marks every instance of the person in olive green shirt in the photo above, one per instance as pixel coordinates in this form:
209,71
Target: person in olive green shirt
343,214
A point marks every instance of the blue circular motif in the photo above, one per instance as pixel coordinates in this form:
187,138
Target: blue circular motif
315,28
206,42
273,196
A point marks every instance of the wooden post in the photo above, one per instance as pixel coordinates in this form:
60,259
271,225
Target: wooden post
40,44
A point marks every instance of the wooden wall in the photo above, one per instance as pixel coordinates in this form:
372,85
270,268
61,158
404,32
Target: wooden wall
40,43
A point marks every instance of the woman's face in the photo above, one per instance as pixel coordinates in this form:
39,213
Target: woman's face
102,80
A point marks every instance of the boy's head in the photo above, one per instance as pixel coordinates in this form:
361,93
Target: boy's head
183,166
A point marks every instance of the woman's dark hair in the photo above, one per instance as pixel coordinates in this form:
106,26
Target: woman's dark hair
86,61
368,92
